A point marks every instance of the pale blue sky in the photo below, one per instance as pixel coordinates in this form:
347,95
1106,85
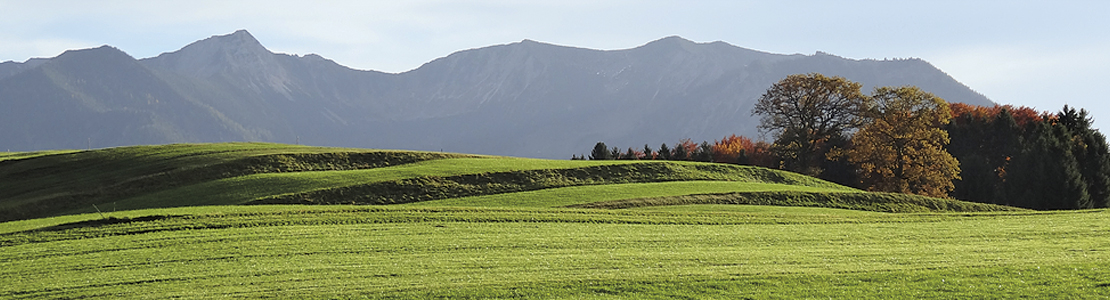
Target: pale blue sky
1035,53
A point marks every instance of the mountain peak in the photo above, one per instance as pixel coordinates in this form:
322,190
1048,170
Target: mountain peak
240,39
215,54
239,42
675,38
533,43
672,40
670,44
104,52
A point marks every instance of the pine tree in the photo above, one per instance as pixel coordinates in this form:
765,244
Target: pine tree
630,155
680,153
985,141
1046,175
704,153
664,152
1090,151
600,152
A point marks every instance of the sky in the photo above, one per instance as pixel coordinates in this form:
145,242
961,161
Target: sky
1043,54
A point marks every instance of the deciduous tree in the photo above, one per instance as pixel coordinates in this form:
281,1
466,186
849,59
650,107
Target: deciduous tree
731,148
803,112
902,146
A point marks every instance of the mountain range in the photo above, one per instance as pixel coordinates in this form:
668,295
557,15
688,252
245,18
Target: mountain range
528,98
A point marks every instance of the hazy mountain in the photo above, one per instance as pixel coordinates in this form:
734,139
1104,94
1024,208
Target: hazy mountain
9,68
523,99
99,96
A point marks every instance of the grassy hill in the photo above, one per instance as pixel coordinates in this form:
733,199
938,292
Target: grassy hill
245,220
34,185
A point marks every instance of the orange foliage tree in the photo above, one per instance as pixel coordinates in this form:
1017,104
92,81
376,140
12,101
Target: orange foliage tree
742,150
902,147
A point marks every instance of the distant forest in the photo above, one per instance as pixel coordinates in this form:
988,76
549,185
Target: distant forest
905,140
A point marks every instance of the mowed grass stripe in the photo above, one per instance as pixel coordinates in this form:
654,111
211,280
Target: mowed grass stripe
770,210
565,196
208,217
880,202
1065,281
417,257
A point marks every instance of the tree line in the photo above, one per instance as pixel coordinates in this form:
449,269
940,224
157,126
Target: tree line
732,149
1020,157
906,140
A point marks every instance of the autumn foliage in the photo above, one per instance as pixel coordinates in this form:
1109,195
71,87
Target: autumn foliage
1022,115
732,149
906,140
902,146
807,114
735,149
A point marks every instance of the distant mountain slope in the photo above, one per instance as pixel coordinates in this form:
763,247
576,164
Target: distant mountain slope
100,95
523,99
9,68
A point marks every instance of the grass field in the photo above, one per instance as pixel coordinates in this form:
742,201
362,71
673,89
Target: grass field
395,252
467,226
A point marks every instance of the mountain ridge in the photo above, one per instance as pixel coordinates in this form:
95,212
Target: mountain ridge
525,98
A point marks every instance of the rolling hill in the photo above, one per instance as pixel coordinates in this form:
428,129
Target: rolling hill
140,177
528,99
214,220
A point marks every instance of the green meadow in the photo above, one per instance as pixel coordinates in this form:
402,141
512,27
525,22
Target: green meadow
248,220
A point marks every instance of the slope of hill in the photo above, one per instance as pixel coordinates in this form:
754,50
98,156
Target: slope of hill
501,227
42,185
522,99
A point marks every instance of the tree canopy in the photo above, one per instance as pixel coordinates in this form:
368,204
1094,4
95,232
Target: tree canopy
906,140
902,146
804,112
601,152
1021,157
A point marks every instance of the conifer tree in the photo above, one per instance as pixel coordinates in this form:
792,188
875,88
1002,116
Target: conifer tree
704,152
985,141
1090,151
664,152
630,155
1046,175
600,152
680,153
